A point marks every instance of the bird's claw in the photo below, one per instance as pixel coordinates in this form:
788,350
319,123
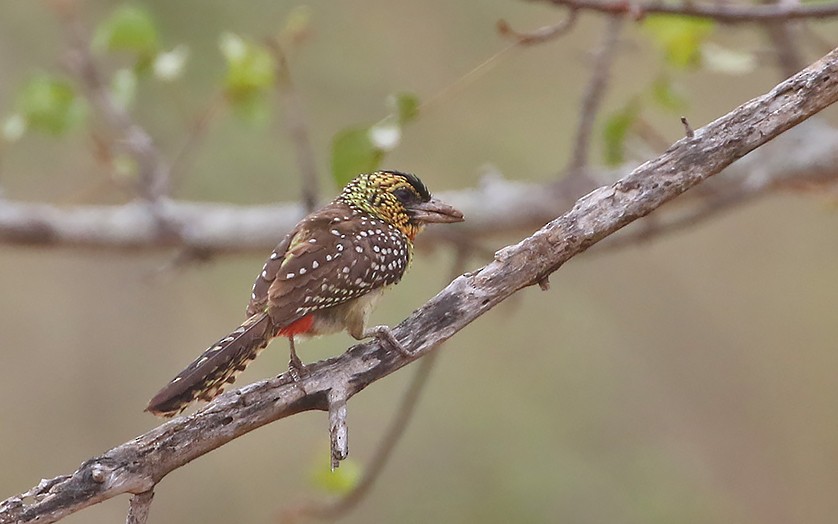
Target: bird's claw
385,335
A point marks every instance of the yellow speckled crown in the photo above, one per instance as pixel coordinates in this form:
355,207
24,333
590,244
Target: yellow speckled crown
381,194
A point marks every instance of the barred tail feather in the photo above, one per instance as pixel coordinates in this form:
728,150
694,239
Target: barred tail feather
218,365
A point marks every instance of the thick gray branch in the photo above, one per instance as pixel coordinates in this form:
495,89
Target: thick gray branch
136,466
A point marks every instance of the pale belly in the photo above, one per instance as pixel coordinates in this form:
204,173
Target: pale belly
351,316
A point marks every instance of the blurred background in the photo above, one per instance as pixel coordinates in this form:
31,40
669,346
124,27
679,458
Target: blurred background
691,378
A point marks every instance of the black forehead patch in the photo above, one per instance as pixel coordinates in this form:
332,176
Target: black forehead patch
417,184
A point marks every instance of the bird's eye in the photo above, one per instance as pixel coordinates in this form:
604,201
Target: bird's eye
404,195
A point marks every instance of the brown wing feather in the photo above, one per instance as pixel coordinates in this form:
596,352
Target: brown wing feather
259,294
334,257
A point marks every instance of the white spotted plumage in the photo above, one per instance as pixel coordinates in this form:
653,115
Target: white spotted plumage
325,276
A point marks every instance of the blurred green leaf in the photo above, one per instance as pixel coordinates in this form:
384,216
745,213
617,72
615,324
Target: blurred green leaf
404,105
129,28
337,482
667,94
50,105
250,67
361,149
727,61
680,37
353,152
616,129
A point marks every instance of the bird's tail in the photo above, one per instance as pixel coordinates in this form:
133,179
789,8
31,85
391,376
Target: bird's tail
218,365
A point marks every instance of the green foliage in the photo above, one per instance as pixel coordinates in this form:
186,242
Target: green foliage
129,28
680,37
50,105
339,481
251,73
361,149
616,130
353,152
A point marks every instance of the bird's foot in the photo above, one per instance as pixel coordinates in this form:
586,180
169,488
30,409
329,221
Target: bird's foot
385,335
296,368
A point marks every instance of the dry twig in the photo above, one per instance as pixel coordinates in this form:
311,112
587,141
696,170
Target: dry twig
724,13
540,35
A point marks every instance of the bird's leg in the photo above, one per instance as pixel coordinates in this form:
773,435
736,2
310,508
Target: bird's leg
385,335
295,365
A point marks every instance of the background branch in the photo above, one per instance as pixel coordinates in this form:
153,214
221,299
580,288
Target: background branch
808,155
137,465
724,13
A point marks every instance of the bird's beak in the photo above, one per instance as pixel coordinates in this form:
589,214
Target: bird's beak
434,211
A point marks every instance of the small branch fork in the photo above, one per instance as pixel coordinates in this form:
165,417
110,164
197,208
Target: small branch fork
338,432
138,465
153,182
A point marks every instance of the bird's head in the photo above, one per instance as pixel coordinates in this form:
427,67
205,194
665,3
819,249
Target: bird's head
400,199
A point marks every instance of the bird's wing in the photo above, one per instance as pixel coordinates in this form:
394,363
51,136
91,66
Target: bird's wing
259,294
332,258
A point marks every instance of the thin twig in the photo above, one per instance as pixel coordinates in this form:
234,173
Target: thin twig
338,431
724,13
153,180
688,130
540,35
594,92
470,76
297,126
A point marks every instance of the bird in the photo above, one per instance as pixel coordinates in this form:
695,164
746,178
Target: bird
324,277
